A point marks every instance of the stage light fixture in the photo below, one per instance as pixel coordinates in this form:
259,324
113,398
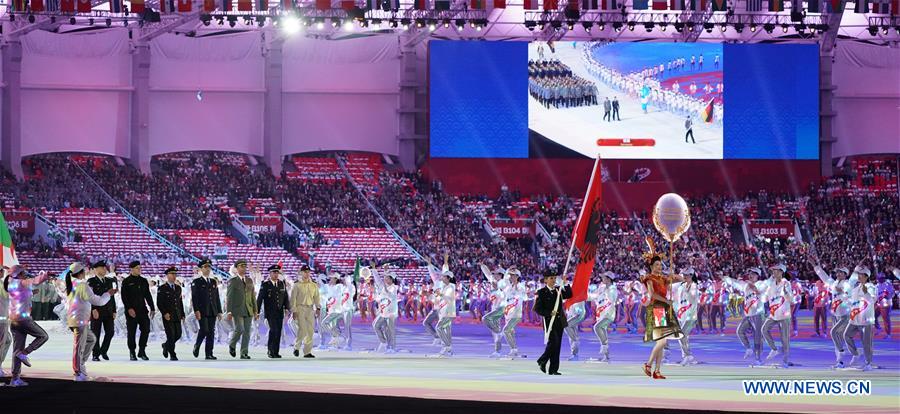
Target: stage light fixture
460,24
556,24
769,27
648,26
708,27
784,28
30,18
109,22
884,30
570,25
335,22
232,20
404,23
723,27
431,26
587,26
220,20
72,20
753,27
12,17
446,23
348,25
91,21
320,23
393,24
617,26
662,26
420,23
739,27
290,24
631,26
601,27
873,30
260,21
679,27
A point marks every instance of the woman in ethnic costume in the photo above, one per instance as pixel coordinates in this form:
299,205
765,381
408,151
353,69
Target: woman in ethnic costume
661,322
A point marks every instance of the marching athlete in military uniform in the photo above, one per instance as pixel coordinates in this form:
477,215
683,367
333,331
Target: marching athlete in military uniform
207,307
102,317
549,304
168,301
137,299
273,303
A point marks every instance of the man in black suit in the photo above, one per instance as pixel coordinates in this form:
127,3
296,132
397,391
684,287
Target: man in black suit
615,109
273,301
137,299
102,317
168,301
207,307
549,304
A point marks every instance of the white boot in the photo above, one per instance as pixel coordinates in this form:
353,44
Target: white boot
772,354
748,353
853,361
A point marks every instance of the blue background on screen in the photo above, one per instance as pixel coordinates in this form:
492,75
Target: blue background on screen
772,101
479,99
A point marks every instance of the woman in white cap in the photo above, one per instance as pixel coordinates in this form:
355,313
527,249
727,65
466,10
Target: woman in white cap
5,336
348,303
862,318
334,309
605,299
686,300
386,312
515,297
496,300
779,295
753,307
840,288
21,324
79,299
437,286
446,313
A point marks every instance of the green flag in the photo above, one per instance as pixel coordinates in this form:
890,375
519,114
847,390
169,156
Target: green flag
8,258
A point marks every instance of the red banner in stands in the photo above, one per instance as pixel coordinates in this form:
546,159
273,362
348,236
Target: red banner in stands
264,224
776,229
513,229
22,221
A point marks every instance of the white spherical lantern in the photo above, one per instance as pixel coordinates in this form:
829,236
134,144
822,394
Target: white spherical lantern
671,216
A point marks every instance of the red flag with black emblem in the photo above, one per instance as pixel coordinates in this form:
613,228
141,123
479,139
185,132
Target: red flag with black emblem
586,237
84,6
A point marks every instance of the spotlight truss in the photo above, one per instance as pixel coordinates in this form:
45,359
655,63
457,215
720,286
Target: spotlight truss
613,24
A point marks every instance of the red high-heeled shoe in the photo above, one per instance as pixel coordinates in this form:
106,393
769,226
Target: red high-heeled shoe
647,369
657,375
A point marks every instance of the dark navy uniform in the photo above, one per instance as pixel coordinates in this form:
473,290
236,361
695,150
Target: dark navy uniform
273,300
205,299
543,306
136,296
168,300
106,315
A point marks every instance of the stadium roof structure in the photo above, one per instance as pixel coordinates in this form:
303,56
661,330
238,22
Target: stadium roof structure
458,20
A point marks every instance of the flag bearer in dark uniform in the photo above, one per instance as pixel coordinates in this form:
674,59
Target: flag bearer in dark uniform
168,300
137,299
102,317
207,307
273,303
549,304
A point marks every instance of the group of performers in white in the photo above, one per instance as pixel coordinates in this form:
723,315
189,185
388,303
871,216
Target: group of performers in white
304,312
